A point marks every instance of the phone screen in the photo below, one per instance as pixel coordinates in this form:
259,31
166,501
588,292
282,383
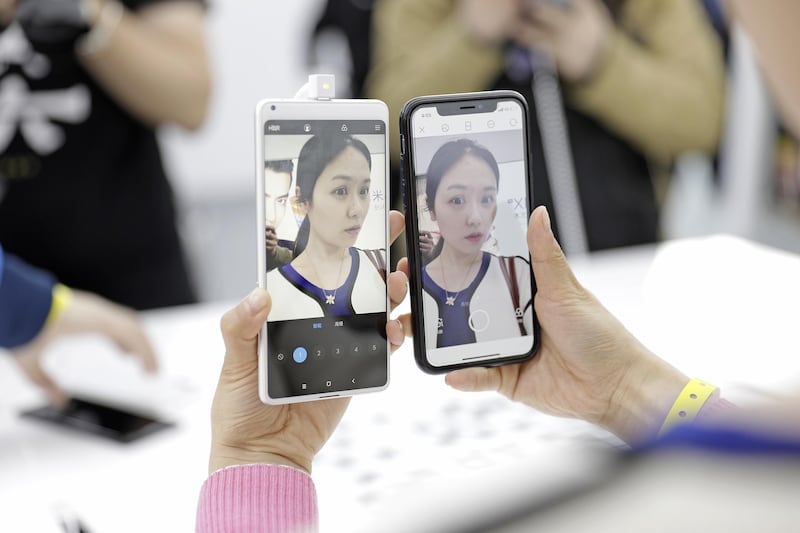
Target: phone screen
99,419
325,244
470,205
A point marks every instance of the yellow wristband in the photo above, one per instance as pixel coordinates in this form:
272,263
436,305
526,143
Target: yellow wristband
689,402
61,298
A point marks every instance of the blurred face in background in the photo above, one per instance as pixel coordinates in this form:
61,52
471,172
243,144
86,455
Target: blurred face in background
276,196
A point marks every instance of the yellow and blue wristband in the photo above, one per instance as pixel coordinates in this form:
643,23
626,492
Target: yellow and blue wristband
688,404
61,298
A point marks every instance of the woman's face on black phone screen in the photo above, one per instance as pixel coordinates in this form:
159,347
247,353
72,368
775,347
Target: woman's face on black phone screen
466,204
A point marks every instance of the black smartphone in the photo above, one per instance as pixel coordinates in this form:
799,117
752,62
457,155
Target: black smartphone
104,420
322,238
468,198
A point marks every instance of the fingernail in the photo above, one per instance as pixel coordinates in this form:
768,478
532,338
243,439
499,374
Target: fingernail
398,338
255,301
546,220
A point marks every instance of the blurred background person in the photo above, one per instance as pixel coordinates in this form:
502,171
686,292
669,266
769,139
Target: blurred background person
771,33
35,310
642,81
84,191
341,43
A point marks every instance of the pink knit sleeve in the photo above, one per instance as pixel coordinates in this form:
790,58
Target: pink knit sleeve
258,498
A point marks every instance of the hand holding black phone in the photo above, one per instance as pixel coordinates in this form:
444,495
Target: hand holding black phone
468,198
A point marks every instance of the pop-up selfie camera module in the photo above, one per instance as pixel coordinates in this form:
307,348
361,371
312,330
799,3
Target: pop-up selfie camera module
318,87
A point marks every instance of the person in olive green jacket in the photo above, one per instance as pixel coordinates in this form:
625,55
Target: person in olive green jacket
642,82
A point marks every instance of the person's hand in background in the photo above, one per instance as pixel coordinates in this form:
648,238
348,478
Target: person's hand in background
244,430
426,245
588,365
575,35
490,21
271,239
8,9
772,27
84,312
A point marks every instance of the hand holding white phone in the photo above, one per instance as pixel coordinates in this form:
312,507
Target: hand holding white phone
321,179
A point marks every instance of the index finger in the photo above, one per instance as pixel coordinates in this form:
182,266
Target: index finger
126,331
139,345
396,224
402,266
397,283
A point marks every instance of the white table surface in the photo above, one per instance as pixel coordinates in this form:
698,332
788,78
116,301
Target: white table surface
717,307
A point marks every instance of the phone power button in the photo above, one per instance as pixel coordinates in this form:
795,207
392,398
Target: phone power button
402,144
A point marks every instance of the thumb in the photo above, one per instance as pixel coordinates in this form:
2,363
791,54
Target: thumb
550,268
475,379
241,325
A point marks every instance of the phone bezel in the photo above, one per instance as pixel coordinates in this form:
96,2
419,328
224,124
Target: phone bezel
412,233
296,109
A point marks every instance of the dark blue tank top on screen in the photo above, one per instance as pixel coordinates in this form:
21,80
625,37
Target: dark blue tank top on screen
454,328
342,303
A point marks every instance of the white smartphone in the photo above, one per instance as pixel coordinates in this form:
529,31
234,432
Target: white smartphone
468,199
322,234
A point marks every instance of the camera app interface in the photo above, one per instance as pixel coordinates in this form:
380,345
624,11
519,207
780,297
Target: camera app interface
325,235
472,215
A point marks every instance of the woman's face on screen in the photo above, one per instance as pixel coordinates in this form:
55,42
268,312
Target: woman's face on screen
466,204
340,200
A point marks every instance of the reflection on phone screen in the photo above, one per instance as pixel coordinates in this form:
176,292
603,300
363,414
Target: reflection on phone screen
325,188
